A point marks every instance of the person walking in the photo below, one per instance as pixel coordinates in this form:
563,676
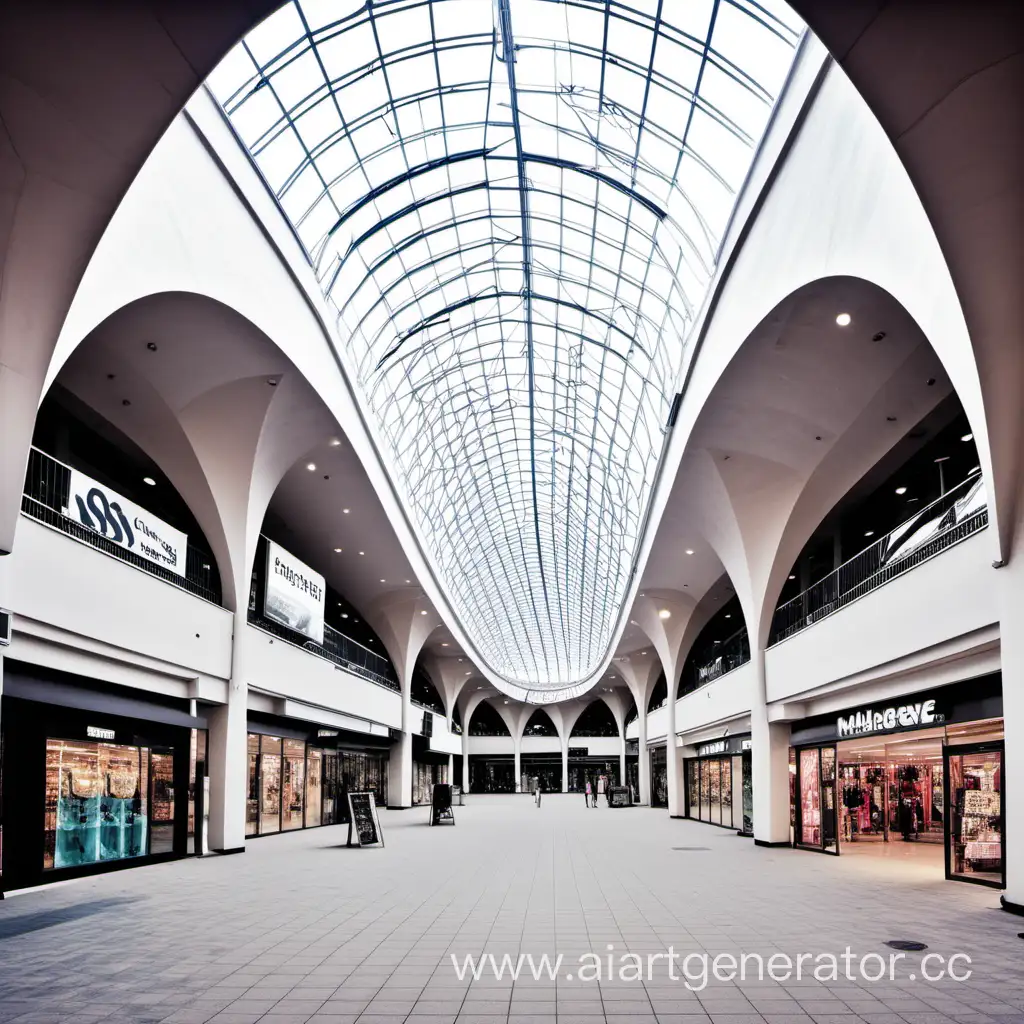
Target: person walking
587,794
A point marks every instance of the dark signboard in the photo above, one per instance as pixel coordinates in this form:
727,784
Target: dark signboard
441,804
363,821
968,701
726,745
578,751
618,796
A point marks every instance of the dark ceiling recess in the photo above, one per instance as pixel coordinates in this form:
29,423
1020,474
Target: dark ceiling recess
933,456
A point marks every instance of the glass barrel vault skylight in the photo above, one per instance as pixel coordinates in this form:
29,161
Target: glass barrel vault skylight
514,207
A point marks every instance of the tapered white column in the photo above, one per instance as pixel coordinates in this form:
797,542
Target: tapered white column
517,769
228,754
1010,581
769,767
644,758
400,762
565,766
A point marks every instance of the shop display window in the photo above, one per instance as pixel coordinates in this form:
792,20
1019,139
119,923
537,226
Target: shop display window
252,800
293,784
270,784
196,778
314,809
161,829
810,797
975,850
97,803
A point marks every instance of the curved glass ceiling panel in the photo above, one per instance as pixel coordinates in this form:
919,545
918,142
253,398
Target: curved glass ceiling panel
514,207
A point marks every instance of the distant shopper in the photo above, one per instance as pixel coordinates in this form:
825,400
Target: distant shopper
587,794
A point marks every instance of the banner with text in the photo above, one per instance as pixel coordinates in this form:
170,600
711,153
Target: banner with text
124,523
295,594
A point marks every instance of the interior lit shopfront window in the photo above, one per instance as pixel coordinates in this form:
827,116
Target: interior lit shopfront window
976,827
424,778
294,785
98,801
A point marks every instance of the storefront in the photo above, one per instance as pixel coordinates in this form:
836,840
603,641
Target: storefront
429,767
585,767
492,773
719,784
659,777
546,768
924,770
95,777
300,776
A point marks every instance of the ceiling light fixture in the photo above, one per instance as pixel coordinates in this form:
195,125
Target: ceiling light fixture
311,466
344,615
383,581
444,645
424,612
345,511
901,490
149,480
664,613
362,552
869,533
334,442
151,345
689,551
337,551
843,319
792,576
967,437
272,382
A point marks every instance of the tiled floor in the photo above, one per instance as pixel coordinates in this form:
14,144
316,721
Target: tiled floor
300,928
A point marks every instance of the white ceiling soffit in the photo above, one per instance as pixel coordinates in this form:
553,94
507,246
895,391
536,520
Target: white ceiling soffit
514,210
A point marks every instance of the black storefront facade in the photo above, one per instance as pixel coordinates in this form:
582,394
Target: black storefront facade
300,773
923,769
719,784
95,777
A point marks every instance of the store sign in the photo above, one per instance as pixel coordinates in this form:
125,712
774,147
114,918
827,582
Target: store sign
726,745
903,716
124,523
94,732
706,749
579,751
295,594
326,733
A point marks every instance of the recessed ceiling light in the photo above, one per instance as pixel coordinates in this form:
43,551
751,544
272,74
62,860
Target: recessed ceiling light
344,615
424,612
337,551
869,533
408,581
362,552
272,381
345,511
689,551
844,319
444,645
967,437
149,480
334,442
664,613
901,490
792,576
311,466
479,687
729,616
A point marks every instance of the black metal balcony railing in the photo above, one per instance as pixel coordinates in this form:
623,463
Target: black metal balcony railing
959,513
47,491
337,648
716,661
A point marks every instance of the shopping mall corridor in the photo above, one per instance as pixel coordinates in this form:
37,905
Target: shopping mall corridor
301,928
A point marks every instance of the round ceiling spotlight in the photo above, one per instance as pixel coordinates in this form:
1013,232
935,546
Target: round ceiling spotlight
664,613
423,612
337,551
149,480
869,533
334,442
689,551
151,345
843,319
311,466
967,437
901,490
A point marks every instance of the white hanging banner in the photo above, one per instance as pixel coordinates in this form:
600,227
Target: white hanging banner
295,593
124,523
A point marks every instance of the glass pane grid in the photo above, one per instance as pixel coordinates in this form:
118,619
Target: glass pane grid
514,210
